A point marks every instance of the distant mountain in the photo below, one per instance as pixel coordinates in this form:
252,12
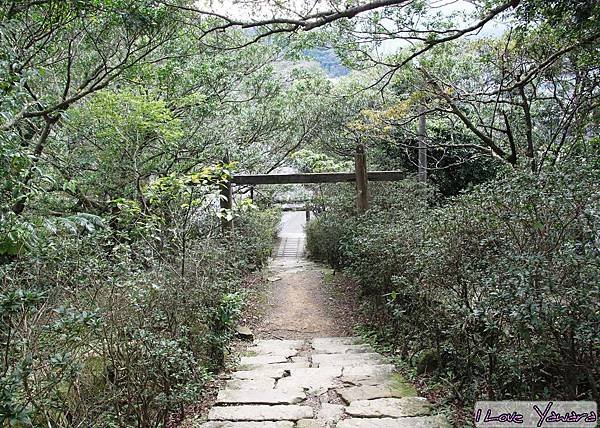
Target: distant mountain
328,60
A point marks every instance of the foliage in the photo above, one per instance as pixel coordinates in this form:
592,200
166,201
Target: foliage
497,291
324,234
309,161
119,295
109,341
485,99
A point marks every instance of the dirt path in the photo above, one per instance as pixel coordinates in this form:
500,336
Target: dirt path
299,304
306,371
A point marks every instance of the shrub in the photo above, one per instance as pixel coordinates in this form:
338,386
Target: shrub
323,236
335,212
255,234
497,289
93,337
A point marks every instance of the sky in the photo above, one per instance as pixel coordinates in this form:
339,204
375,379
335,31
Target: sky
246,10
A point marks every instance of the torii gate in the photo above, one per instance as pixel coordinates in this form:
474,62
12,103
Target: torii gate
360,175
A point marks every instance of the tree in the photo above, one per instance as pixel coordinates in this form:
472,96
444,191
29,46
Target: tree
474,87
56,54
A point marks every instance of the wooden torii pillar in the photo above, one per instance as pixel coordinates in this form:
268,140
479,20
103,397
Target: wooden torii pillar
226,202
360,170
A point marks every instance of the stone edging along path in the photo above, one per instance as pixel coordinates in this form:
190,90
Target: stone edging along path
322,382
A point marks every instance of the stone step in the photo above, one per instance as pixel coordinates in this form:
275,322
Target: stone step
261,373
416,422
278,343
303,372
263,359
367,374
321,342
261,383
348,386
389,407
261,351
261,396
312,385
347,359
285,366
260,413
332,348
369,392
264,424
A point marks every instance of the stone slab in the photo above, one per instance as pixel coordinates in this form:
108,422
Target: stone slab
244,332
346,363
311,385
330,412
263,359
356,374
266,344
311,423
347,359
284,366
316,372
319,342
342,349
260,413
264,424
276,347
296,365
287,352
249,384
261,373
261,396
390,407
368,392
416,422
313,380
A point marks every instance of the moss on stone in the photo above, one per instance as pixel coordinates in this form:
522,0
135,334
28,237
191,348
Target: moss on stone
401,386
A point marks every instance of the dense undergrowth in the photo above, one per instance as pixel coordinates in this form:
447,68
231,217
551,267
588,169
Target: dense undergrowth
495,292
101,329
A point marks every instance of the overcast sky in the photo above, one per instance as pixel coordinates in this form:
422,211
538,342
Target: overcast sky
247,11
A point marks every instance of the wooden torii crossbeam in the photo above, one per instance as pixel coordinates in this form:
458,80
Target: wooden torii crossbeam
360,176
319,177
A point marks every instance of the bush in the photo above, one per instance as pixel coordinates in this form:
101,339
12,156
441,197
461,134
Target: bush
498,289
255,235
334,212
323,235
94,338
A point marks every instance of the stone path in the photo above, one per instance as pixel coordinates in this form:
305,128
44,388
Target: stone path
291,236
296,378
323,382
291,246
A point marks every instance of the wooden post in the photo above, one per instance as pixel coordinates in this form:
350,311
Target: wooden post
307,214
226,203
422,135
360,165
